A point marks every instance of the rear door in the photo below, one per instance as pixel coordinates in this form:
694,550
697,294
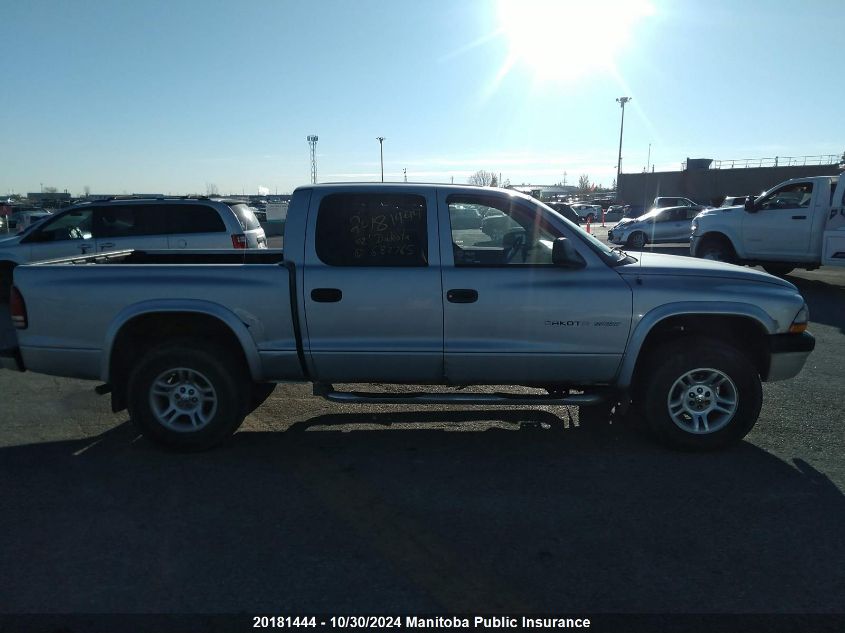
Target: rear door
138,226
196,226
833,244
372,291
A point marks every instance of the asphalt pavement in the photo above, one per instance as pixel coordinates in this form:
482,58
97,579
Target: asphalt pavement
319,507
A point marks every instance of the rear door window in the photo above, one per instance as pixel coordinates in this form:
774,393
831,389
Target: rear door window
372,230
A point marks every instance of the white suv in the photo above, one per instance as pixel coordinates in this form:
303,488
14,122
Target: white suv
111,225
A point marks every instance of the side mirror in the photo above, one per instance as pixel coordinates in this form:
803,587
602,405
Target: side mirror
565,255
749,204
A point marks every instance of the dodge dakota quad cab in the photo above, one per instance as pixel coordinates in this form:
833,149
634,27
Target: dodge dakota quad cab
799,223
377,284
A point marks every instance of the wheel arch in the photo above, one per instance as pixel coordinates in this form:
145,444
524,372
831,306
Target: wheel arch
745,326
140,326
717,234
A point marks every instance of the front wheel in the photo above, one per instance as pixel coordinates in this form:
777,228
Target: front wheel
717,249
700,394
187,394
636,240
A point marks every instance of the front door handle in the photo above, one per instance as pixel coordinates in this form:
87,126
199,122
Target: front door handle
106,245
84,248
462,295
326,295
799,217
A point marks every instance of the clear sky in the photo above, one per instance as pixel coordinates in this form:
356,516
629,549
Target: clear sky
169,96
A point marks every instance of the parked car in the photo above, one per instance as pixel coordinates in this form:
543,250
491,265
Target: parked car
799,223
566,211
19,220
663,201
118,224
671,224
466,217
587,212
374,287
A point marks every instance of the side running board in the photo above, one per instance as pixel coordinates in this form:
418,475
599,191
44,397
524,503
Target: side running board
361,397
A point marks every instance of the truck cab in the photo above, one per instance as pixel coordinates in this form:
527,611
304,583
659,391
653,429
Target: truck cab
800,222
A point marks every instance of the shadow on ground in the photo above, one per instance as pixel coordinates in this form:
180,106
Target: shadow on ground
537,517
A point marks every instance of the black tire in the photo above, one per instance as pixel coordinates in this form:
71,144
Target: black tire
778,271
660,381
718,249
637,240
205,365
258,395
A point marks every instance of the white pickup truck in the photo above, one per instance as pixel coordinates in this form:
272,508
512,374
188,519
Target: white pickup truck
799,223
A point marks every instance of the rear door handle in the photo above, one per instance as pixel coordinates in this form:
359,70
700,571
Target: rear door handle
799,217
462,295
326,295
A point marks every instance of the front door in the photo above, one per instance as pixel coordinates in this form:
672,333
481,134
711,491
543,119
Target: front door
67,235
781,225
372,291
510,315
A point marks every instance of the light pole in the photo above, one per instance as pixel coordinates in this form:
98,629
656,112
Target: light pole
621,101
312,143
380,140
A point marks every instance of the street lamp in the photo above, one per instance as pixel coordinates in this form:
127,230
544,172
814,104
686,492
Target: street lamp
621,101
380,140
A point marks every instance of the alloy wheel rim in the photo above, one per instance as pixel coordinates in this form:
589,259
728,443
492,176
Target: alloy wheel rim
703,401
183,400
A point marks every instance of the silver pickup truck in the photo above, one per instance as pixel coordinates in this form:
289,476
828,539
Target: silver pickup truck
377,284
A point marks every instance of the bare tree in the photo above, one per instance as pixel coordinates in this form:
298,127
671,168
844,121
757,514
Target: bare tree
483,178
211,189
584,184
86,190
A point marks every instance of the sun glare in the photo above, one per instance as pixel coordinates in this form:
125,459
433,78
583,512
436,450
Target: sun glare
560,40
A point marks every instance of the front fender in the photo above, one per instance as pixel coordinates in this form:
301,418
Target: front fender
163,306
684,308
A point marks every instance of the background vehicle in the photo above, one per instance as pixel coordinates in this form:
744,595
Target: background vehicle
733,201
663,201
112,225
377,285
671,224
798,223
21,219
566,211
587,212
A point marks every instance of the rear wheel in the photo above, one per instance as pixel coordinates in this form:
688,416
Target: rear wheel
186,394
699,394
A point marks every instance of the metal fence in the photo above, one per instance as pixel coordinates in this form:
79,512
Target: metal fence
777,161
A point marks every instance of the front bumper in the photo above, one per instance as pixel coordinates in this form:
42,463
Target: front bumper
789,352
10,358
